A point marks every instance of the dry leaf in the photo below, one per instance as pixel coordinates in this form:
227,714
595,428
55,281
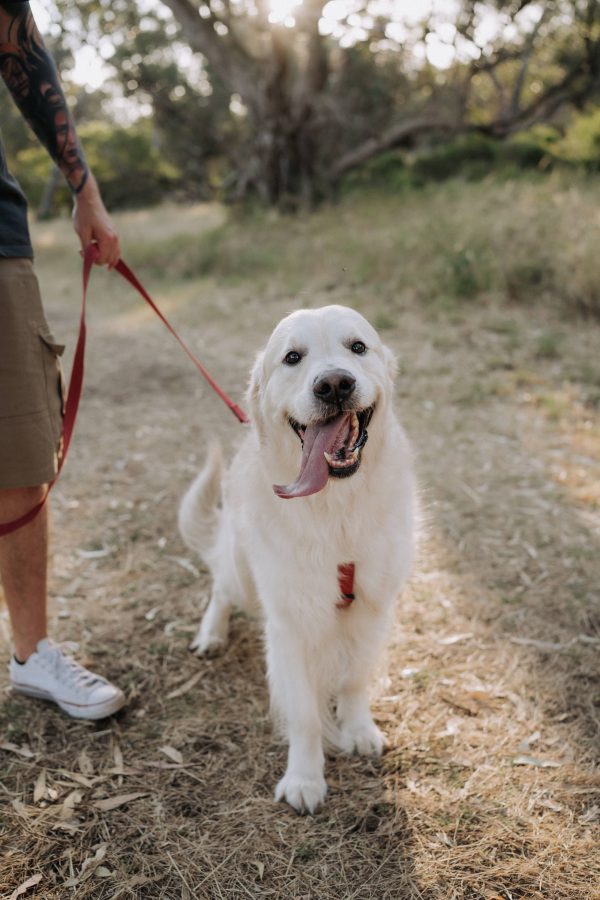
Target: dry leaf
461,762
80,779
535,761
185,564
455,638
409,671
103,872
185,687
472,702
173,754
39,788
587,639
118,758
94,554
443,838
24,750
69,803
89,866
526,743
23,888
92,861
139,880
550,804
550,646
85,763
120,800
125,770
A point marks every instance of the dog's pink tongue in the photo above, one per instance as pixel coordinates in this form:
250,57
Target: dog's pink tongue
314,470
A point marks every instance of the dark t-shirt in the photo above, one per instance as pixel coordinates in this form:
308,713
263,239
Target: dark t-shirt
14,231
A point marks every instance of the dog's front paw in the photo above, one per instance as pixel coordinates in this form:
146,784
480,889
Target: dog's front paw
207,643
364,738
304,793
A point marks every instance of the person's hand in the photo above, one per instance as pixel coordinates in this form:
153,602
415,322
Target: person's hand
93,224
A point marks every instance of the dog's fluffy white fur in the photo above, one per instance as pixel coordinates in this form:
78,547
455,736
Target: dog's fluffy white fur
284,553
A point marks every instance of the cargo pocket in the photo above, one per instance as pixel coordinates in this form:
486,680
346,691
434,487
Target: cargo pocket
55,382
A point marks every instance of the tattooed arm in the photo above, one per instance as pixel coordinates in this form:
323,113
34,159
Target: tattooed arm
31,77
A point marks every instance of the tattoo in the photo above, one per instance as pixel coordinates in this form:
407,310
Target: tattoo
31,77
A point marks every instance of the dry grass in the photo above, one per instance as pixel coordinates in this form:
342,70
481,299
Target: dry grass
491,786
442,245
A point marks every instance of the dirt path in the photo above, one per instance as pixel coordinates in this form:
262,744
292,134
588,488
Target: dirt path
490,788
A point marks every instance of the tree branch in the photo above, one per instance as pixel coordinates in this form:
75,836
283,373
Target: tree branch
404,133
224,52
396,136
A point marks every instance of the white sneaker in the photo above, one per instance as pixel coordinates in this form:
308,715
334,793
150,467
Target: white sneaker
52,675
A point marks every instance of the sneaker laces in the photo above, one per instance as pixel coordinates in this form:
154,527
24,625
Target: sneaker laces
64,668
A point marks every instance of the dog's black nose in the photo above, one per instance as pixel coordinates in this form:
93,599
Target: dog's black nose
335,386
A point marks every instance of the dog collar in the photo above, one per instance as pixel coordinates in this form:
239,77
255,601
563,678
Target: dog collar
346,585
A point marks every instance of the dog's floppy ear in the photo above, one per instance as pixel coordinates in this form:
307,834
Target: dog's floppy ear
257,380
391,364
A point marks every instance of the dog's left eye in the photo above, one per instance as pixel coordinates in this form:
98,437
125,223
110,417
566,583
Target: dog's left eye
292,358
358,347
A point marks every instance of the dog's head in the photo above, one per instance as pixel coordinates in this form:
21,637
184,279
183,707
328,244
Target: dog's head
323,376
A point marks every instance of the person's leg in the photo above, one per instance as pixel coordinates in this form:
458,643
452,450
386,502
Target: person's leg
39,668
23,569
30,427
31,409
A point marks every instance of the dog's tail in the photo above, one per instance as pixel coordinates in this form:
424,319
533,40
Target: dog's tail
199,509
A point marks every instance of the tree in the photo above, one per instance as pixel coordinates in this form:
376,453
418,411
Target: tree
317,96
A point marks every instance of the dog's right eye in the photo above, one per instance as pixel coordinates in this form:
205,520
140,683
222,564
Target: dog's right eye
292,358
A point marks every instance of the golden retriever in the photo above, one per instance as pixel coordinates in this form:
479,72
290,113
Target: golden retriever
315,524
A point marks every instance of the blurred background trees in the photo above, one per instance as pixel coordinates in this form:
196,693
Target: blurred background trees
292,101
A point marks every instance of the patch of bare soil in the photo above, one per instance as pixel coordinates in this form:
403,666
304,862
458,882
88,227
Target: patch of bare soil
490,787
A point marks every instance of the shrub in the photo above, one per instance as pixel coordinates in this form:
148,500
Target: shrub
581,143
474,152
128,167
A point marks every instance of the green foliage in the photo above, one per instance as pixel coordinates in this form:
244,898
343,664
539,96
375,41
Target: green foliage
472,155
581,143
268,112
525,277
548,345
191,117
129,169
368,90
129,166
465,273
283,113
388,172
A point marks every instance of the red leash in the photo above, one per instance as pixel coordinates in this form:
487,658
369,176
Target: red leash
128,275
76,378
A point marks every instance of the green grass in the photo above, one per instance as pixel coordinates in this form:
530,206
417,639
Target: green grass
548,346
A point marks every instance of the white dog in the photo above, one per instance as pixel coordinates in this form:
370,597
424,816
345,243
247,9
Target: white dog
327,566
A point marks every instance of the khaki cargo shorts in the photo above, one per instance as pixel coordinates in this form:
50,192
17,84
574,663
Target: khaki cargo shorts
31,381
